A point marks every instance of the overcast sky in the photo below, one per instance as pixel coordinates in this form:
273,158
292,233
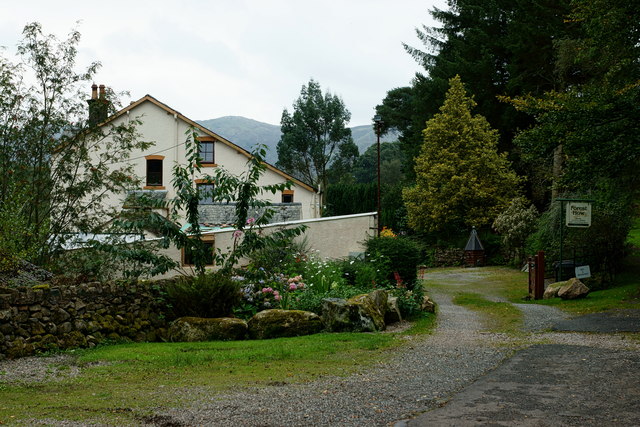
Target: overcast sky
209,59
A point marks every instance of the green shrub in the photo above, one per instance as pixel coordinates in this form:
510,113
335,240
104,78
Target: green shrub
18,238
210,295
312,301
403,255
283,256
515,224
366,273
601,246
321,276
409,301
494,251
85,265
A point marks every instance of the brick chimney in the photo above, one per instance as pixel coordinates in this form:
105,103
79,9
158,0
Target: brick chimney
98,104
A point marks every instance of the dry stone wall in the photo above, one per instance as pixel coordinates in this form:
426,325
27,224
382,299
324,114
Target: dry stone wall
448,257
41,318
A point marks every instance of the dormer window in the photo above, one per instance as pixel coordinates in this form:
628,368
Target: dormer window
207,150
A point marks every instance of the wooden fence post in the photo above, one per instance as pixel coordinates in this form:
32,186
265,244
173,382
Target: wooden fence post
538,291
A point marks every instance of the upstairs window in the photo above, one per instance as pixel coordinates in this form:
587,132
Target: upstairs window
206,151
154,171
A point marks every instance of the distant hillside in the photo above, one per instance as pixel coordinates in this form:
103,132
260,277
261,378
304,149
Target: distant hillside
364,137
247,133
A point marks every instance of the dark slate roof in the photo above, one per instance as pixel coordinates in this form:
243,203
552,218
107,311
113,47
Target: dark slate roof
474,244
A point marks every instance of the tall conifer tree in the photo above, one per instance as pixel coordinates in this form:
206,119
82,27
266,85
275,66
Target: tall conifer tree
461,179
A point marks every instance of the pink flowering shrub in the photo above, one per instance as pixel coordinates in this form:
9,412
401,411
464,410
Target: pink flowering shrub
276,291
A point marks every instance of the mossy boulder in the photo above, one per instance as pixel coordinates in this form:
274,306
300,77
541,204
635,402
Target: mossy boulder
372,305
427,304
362,313
191,329
552,289
393,314
283,323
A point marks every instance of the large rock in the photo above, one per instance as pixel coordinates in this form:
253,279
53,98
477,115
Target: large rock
393,314
362,313
427,305
191,329
283,323
574,289
552,290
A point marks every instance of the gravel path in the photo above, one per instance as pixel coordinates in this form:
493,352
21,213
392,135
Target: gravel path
34,370
539,318
536,318
424,376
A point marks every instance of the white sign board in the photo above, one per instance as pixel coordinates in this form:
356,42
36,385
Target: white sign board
578,214
583,272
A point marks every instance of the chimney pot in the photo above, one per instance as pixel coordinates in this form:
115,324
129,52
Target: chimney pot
98,105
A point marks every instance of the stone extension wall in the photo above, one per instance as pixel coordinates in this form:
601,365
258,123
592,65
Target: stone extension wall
225,213
45,318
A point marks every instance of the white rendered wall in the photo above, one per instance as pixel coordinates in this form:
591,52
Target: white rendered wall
327,238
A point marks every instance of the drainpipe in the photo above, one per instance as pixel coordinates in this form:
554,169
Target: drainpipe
177,153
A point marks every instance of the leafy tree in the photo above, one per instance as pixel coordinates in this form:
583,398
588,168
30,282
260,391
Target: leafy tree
596,122
461,179
515,224
391,164
56,167
347,198
315,136
357,191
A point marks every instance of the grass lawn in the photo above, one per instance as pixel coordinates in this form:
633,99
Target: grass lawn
119,384
498,316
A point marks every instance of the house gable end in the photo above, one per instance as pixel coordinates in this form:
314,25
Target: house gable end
204,132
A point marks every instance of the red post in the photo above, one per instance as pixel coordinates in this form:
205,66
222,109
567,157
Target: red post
538,290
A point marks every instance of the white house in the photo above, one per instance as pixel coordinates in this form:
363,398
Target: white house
166,128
